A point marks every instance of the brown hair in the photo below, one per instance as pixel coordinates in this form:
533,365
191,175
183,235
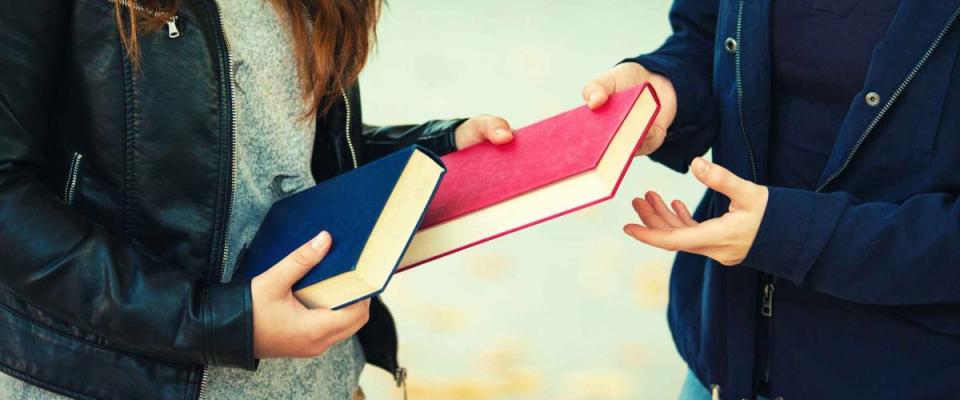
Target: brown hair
332,39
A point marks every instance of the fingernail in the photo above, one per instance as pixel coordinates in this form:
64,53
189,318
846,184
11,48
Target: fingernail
321,240
594,98
700,165
502,133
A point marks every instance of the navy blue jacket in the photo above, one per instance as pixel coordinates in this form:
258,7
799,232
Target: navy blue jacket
864,272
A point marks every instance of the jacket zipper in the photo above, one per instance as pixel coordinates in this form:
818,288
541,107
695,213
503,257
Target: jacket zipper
349,111
173,31
205,376
766,311
346,103
739,72
70,188
353,153
766,306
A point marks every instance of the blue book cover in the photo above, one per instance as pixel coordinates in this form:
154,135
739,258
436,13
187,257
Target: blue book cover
348,206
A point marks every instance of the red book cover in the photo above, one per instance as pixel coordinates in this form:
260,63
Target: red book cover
545,153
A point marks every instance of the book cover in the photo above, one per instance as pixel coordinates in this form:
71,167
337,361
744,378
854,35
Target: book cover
546,153
348,206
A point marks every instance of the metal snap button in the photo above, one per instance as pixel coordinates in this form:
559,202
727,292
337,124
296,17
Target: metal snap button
731,45
873,99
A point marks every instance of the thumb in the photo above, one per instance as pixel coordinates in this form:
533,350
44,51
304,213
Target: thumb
718,178
497,131
598,91
297,264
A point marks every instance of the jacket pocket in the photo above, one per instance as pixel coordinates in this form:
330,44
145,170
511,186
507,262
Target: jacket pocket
73,179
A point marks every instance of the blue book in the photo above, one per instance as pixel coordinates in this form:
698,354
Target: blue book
371,212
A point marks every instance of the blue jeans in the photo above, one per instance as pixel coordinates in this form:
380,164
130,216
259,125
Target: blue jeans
692,389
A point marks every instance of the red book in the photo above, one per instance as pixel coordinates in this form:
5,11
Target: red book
553,167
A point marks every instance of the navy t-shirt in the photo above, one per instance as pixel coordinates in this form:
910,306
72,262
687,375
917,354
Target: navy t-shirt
821,50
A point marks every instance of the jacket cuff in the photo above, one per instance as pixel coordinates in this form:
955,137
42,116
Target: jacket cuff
440,137
228,316
793,232
685,138
691,92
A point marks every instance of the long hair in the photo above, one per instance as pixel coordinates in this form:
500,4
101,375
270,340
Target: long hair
332,39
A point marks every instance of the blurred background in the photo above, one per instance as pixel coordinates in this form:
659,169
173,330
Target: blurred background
569,309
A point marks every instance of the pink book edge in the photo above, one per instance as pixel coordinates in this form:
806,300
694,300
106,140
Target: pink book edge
623,173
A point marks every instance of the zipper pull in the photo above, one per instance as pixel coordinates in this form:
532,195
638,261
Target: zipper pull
766,309
400,376
174,32
715,392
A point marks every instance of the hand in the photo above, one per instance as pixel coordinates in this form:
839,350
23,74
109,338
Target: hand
482,128
282,326
726,239
625,76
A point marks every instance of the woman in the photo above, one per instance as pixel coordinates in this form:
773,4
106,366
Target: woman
821,264
141,143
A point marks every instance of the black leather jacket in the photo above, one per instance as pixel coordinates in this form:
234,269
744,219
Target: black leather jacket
115,191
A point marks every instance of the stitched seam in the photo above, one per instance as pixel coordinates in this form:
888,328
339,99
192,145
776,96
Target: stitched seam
207,315
184,396
130,115
382,141
42,383
224,155
420,139
248,338
434,135
90,343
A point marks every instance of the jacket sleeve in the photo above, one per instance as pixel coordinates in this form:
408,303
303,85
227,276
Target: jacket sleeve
70,267
436,136
866,252
686,59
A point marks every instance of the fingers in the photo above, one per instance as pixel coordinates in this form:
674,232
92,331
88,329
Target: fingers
683,213
344,319
661,208
655,214
649,216
682,239
331,326
496,130
597,91
718,178
289,270
356,315
478,129
654,139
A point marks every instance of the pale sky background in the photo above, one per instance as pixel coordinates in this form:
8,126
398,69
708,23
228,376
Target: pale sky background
572,308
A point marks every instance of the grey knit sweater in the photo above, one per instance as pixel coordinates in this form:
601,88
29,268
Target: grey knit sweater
274,147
